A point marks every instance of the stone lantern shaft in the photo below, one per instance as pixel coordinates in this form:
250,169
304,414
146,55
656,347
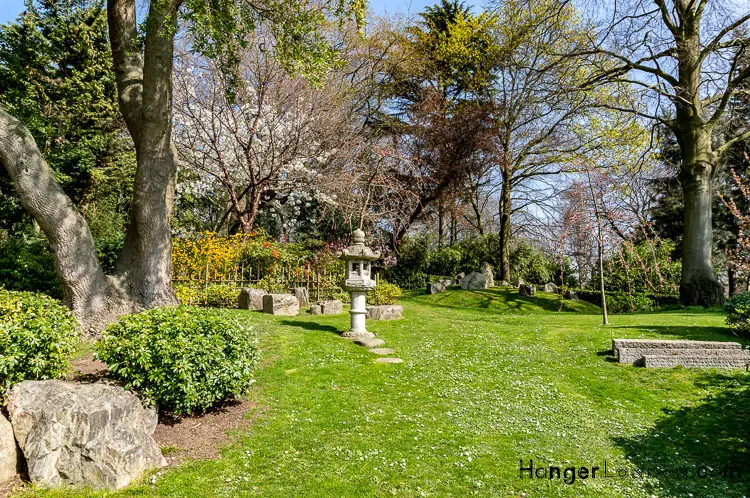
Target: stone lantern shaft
357,281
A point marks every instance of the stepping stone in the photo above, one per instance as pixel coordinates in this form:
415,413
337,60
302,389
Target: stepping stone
389,360
369,342
382,351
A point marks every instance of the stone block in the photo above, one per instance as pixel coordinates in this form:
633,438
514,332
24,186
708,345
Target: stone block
251,299
302,296
504,283
489,277
435,288
696,360
8,452
551,288
369,342
87,435
527,290
448,282
658,344
385,312
280,305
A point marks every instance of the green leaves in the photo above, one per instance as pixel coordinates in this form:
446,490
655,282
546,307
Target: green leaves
37,335
184,359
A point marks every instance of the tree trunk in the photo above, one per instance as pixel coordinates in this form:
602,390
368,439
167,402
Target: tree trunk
731,282
95,298
505,208
441,224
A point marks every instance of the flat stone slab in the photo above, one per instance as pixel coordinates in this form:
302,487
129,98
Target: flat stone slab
369,342
382,351
703,361
635,355
385,312
389,360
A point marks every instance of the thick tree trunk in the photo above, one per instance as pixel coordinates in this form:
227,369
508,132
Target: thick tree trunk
95,298
505,208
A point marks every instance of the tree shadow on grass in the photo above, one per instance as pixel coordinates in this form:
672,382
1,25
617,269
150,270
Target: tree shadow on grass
504,300
714,433
691,332
314,326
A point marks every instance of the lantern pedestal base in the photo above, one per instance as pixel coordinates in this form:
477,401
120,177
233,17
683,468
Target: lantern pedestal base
358,313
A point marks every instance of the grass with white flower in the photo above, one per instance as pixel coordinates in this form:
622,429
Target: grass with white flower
489,378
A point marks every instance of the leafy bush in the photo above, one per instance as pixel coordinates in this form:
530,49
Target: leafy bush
738,314
446,261
530,265
384,293
188,295
27,264
185,359
37,335
222,296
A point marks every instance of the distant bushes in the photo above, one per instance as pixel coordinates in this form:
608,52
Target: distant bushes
184,359
37,336
622,302
738,314
27,264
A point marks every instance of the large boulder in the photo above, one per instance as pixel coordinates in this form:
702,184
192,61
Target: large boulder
527,290
280,304
302,296
8,451
435,287
251,299
551,288
474,281
488,275
332,307
385,312
572,295
448,282
89,435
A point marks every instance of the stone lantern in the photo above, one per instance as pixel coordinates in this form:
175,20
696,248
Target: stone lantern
358,258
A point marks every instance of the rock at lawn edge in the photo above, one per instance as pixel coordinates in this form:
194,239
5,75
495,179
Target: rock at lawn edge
8,452
527,290
302,296
88,435
474,281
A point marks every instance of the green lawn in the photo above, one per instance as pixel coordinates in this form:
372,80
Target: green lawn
489,378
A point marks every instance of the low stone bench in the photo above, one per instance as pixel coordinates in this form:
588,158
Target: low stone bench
698,360
635,355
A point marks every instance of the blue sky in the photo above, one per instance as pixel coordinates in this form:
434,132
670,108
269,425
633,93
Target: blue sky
9,9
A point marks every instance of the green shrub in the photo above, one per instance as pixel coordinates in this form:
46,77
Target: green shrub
738,314
446,261
221,296
622,302
187,295
384,293
37,335
184,359
27,264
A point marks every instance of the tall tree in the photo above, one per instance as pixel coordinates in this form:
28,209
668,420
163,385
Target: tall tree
143,65
685,55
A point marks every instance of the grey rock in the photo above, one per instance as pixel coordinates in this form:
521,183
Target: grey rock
460,276
504,283
488,275
527,290
382,351
448,282
251,299
332,307
672,344
474,281
280,305
89,435
518,282
9,462
316,309
302,296
435,288
551,288
385,312
572,295
389,360
635,355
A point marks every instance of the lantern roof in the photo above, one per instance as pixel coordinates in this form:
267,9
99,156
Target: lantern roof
358,250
